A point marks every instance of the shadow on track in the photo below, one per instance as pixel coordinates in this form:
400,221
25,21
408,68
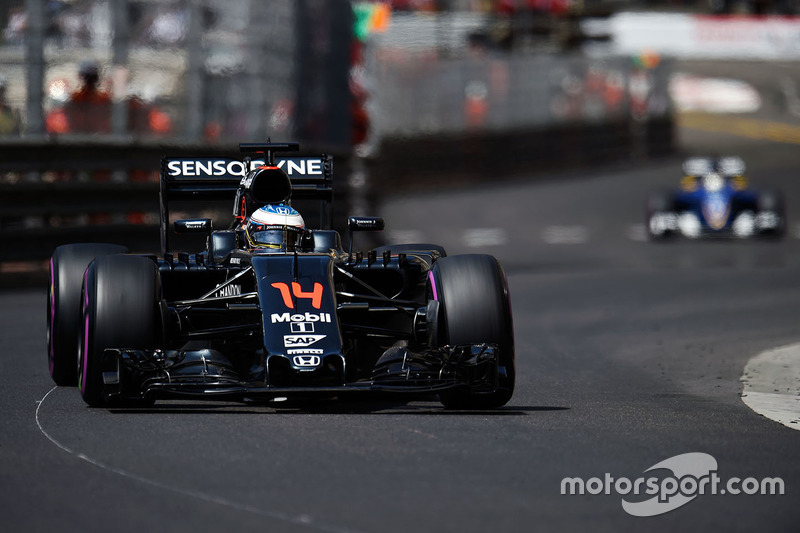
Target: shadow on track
326,408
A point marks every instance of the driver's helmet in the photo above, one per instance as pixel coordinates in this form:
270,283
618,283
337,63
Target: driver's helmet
713,182
275,227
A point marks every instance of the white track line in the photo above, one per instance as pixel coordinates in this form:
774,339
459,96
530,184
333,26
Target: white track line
481,237
299,520
636,232
565,234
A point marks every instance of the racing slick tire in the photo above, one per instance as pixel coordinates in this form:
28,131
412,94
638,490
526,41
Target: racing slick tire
772,201
658,203
473,295
67,265
120,308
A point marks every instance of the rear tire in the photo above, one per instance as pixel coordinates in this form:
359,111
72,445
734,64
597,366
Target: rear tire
119,309
473,294
67,265
773,201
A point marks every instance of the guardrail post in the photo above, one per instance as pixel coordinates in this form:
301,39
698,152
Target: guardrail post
34,57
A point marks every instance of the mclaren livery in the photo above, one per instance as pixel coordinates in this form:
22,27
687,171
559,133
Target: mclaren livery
714,200
272,309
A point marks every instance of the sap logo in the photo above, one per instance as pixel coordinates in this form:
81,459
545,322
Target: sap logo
301,340
277,318
229,290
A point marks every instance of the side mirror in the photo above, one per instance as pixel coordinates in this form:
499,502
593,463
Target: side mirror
363,224
195,225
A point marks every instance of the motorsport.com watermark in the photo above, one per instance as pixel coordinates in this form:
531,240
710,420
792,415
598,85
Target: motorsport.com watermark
693,474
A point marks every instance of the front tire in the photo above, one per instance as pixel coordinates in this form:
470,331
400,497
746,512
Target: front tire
67,266
119,309
473,295
772,201
658,204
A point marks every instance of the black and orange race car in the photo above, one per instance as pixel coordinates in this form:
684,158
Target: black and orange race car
271,309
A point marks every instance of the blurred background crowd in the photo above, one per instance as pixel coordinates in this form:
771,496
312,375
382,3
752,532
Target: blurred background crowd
330,73
401,92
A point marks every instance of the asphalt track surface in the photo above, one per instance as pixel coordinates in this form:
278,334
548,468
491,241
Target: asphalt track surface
628,353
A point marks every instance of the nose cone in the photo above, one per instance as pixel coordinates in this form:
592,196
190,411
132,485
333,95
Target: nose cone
716,210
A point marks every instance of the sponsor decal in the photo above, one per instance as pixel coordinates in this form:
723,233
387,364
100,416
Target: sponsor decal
277,318
301,166
301,340
307,360
225,167
229,290
280,210
195,224
314,295
302,327
671,483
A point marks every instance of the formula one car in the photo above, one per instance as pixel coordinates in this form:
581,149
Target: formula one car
271,309
715,200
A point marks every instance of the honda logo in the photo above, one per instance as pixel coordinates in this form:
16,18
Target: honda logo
306,360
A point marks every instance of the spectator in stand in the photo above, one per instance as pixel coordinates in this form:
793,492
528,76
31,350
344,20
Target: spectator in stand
10,121
88,110
147,119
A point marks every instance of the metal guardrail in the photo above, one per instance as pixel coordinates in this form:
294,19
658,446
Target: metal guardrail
55,192
442,161
38,217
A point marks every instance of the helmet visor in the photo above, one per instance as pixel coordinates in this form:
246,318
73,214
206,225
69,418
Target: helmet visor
277,238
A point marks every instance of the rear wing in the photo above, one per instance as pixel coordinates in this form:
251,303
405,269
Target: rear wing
727,166
218,179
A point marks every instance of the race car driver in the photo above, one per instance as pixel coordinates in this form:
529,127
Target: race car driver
278,228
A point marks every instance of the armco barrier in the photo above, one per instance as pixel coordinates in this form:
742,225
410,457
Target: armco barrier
446,160
55,191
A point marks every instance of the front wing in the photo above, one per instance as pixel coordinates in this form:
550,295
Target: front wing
207,374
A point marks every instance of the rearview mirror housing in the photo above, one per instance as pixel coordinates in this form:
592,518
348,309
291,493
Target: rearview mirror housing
194,225
365,223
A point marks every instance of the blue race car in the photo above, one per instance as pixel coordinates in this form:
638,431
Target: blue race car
714,200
